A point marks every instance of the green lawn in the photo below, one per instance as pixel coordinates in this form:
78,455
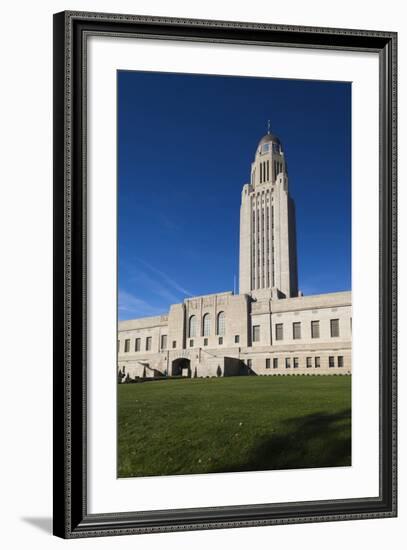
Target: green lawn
233,424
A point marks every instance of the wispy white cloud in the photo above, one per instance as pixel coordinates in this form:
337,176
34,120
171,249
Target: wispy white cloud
129,304
162,291
158,289
153,285
171,282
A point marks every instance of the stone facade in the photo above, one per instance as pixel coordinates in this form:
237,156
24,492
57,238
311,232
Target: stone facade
269,328
310,335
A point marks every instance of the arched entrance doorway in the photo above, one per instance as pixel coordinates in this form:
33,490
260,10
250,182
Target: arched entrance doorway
181,367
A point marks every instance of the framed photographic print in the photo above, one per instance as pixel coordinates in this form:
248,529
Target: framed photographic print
224,274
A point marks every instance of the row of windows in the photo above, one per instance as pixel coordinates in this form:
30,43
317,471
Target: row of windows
148,343
296,330
309,362
163,342
206,325
220,329
220,341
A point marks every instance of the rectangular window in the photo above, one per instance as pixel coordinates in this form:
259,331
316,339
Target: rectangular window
334,328
331,361
174,344
237,339
220,340
127,345
267,363
163,341
287,363
256,333
314,329
340,361
137,346
279,331
317,362
205,341
309,362
275,362
296,331
148,343
296,363
191,343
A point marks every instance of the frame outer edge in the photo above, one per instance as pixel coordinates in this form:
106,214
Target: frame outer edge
394,284
63,235
60,412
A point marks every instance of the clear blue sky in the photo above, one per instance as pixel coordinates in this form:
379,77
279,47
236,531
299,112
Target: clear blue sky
185,145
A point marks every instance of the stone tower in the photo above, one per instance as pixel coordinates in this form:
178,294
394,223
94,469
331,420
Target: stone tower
268,250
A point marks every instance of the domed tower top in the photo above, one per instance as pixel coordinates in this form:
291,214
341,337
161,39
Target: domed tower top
269,143
269,160
269,138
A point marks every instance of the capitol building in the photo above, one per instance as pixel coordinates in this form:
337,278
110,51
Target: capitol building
269,328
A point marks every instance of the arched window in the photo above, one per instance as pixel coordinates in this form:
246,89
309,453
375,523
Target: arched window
192,326
220,325
206,324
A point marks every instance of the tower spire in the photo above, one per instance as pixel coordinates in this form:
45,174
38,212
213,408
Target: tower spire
268,126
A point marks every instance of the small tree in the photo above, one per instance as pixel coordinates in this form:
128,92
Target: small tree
195,373
218,371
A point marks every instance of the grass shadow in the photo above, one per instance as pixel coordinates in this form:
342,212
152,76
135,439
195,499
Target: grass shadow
318,440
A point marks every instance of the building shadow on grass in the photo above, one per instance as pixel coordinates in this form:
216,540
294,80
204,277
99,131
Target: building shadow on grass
318,440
